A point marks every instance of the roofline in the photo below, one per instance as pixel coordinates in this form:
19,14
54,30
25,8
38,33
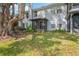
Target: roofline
52,5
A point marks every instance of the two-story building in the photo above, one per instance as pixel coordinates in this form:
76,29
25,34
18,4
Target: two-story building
50,17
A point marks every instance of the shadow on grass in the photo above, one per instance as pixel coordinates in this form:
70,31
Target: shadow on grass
25,46
65,36
40,43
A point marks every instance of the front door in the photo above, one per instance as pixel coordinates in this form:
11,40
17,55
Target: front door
41,26
76,22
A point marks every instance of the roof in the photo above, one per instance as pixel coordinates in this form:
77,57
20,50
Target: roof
52,5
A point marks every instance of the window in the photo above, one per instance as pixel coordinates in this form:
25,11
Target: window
60,25
52,11
27,15
52,25
35,13
59,10
23,25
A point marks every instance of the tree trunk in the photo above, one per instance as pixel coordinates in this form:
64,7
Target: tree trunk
7,22
21,10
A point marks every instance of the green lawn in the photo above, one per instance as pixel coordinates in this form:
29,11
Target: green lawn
44,44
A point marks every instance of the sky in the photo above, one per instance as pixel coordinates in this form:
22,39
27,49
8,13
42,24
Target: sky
34,5
37,5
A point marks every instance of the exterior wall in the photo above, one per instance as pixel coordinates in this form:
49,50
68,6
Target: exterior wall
54,18
24,23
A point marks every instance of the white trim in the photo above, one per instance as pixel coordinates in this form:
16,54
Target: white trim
71,25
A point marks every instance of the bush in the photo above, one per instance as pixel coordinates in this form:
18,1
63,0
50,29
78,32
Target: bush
59,30
29,29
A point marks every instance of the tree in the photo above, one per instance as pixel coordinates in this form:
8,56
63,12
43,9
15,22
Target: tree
7,21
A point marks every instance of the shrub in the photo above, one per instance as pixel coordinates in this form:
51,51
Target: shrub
30,29
59,30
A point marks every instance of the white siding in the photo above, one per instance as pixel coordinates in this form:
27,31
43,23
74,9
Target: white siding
57,18
54,18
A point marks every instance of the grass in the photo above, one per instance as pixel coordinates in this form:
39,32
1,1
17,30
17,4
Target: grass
41,44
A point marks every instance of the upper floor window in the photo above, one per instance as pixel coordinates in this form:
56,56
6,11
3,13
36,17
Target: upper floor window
52,11
35,13
59,10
